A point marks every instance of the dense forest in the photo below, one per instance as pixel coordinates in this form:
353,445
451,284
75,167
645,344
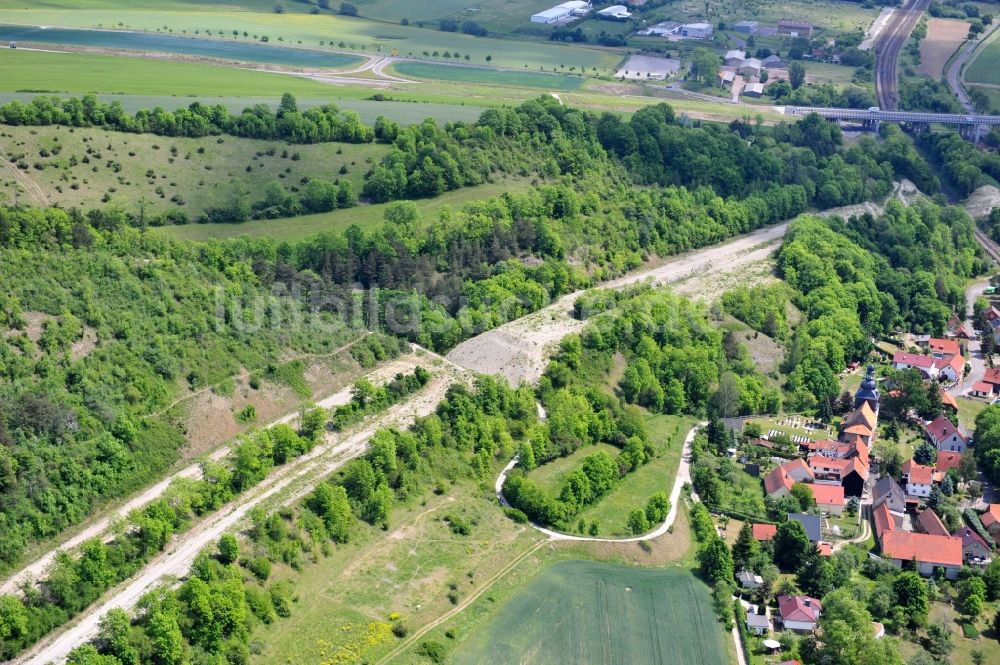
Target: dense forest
859,279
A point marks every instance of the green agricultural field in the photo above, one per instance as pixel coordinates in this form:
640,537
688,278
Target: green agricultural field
491,76
357,34
296,228
80,73
985,68
85,167
589,613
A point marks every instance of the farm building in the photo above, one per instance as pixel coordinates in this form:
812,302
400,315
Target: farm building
726,77
562,12
696,30
735,57
753,89
615,13
795,28
930,552
773,62
746,27
750,67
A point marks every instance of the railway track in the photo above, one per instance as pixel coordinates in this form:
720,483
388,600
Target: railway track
991,247
887,49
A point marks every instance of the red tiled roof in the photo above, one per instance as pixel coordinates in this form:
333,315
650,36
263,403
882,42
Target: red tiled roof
992,515
981,387
884,521
969,536
830,495
797,464
917,473
947,399
913,360
956,362
941,428
992,375
931,524
764,531
837,464
947,460
777,479
860,429
947,347
925,548
798,608
825,549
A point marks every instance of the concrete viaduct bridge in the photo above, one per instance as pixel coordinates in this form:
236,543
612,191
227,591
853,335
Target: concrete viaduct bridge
969,126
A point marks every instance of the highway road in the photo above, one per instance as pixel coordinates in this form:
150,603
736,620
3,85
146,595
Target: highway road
887,49
954,73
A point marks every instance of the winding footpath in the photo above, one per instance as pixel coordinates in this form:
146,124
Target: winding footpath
683,476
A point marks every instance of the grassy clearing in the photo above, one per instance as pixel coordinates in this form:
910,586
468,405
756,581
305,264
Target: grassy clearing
550,476
601,613
345,599
357,34
79,73
611,513
366,216
198,171
962,653
968,409
490,76
823,72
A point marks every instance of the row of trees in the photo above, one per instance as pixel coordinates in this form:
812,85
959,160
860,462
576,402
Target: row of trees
288,123
367,398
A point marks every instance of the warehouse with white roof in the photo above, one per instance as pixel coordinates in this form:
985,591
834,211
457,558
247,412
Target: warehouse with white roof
562,12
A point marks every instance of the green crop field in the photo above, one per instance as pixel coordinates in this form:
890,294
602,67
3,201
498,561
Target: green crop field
296,228
126,167
356,34
79,73
483,75
985,68
589,613
836,15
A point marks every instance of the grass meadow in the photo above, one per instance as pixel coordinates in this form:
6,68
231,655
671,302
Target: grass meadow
365,216
985,68
488,76
591,613
611,513
86,167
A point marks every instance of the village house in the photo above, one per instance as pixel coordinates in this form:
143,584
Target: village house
850,473
829,498
749,580
930,552
946,436
991,520
992,377
813,525
947,460
981,389
957,328
951,368
975,550
799,613
734,57
764,532
749,68
924,364
887,491
759,623
779,482
725,77
917,479
885,520
773,62
928,522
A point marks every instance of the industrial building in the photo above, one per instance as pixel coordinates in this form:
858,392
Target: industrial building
566,10
615,13
696,30
746,27
795,28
